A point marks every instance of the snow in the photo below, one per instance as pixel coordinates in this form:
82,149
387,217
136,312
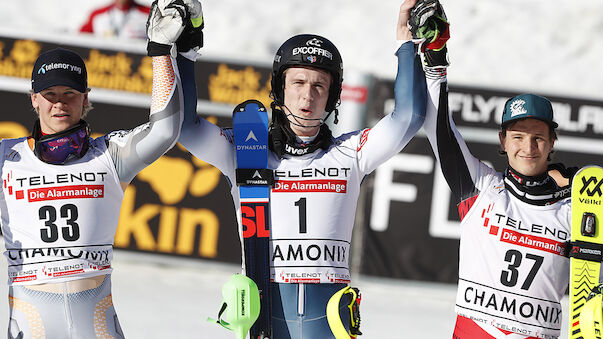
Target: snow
539,46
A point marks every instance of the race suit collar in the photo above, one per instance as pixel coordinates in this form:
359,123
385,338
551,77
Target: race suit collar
538,190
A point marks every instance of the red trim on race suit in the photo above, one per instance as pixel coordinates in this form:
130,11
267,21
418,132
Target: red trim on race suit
465,205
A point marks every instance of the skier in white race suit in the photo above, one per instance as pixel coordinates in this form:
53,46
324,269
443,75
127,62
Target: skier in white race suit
317,176
515,225
62,190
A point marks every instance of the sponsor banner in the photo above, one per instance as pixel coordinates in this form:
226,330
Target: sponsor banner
482,108
476,107
218,82
107,69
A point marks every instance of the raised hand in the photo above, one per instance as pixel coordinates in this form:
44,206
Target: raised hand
403,31
166,22
429,26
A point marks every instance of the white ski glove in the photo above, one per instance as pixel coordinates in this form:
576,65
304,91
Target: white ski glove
166,21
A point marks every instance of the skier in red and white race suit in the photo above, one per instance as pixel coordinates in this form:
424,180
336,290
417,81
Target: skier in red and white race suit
61,190
513,269
124,19
318,177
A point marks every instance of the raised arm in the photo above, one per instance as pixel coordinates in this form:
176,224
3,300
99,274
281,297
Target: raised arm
395,130
460,168
135,149
203,139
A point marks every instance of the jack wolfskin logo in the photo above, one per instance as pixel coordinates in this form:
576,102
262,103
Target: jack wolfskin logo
586,183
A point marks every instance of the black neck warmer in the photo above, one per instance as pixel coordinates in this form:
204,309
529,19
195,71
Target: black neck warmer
282,139
538,190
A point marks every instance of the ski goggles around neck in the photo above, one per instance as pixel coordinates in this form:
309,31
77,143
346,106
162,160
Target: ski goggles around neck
58,148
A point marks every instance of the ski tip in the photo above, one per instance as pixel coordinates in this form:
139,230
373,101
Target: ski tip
253,105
